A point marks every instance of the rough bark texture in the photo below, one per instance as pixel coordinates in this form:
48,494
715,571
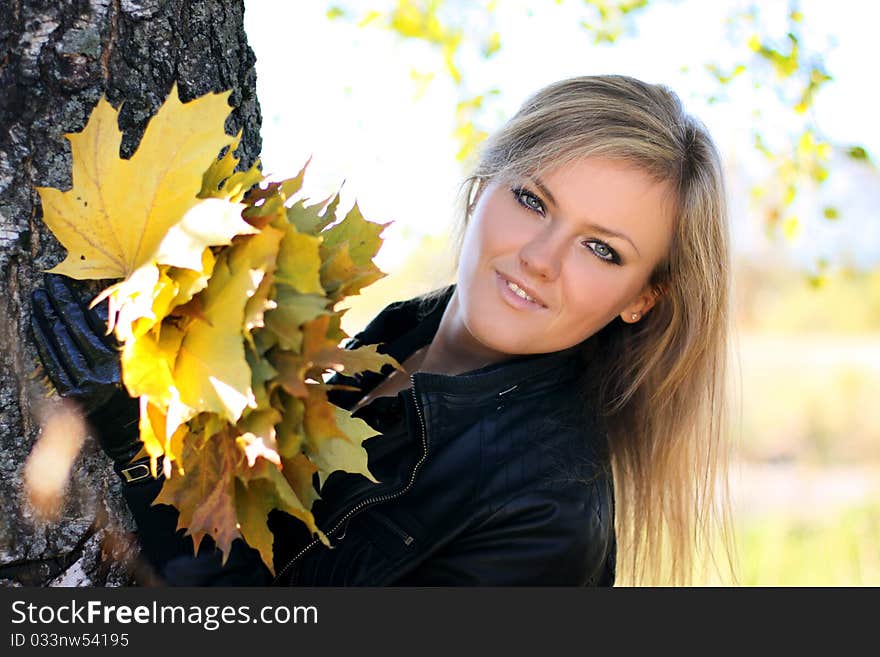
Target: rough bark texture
56,60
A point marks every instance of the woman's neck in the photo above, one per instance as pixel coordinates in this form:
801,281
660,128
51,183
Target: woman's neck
454,350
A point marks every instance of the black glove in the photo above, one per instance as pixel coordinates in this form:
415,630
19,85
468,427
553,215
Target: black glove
83,364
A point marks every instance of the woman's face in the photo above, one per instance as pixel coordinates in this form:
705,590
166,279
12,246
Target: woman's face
547,262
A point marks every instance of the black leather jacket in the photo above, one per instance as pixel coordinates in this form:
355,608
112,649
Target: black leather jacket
493,477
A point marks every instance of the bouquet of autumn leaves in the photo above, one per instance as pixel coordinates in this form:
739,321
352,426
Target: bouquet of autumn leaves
225,313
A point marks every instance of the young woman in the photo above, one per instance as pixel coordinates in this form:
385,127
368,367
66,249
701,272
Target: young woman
563,402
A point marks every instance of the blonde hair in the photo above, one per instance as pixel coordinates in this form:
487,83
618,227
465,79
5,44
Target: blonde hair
663,385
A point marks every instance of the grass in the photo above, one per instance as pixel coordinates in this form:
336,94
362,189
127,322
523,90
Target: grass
782,549
843,550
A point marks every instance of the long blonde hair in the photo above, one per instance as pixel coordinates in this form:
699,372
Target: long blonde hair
663,389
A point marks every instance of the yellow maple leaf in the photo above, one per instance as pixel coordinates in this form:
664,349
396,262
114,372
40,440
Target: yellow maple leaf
211,371
338,270
312,219
118,211
257,437
264,489
262,373
221,180
362,236
267,203
289,431
319,353
150,434
333,438
298,471
155,437
347,252
260,302
150,292
148,365
299,264
344,451
292,311
205,495
190,282
256,307
210,222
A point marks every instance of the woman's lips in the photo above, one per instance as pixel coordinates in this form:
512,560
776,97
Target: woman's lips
516,300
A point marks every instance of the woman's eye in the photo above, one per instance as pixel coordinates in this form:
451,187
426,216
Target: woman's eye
529,200
603,251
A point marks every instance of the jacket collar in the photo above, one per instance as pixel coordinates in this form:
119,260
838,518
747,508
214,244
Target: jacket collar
406,326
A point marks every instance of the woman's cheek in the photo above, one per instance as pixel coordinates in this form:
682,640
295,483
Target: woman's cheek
591,292
506,230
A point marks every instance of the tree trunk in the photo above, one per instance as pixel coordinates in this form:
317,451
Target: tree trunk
56,60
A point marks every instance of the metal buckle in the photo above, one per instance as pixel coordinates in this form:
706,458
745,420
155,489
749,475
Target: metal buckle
137,472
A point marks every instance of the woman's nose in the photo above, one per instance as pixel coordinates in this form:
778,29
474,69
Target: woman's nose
542,256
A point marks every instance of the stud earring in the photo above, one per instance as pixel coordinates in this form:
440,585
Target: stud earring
635,316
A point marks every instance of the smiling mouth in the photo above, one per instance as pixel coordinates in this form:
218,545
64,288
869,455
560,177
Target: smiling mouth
518,291
521,293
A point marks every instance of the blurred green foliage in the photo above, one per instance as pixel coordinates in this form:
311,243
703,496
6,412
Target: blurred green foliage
783,548
832,301
788,550
809,402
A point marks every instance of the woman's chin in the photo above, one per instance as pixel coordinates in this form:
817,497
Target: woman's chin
502,338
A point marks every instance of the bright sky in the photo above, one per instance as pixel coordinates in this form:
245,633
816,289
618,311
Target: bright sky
345,96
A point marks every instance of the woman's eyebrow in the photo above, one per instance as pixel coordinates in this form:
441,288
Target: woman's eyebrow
611,233
594,227
543,188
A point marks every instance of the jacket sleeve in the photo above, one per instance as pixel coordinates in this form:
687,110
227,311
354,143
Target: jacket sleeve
170,553
536,539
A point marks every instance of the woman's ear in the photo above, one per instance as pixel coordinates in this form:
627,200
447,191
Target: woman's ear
642,303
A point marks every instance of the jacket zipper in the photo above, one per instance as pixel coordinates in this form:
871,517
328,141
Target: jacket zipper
373,500
391,526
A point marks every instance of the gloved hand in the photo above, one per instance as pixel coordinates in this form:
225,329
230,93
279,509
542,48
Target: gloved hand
83,364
